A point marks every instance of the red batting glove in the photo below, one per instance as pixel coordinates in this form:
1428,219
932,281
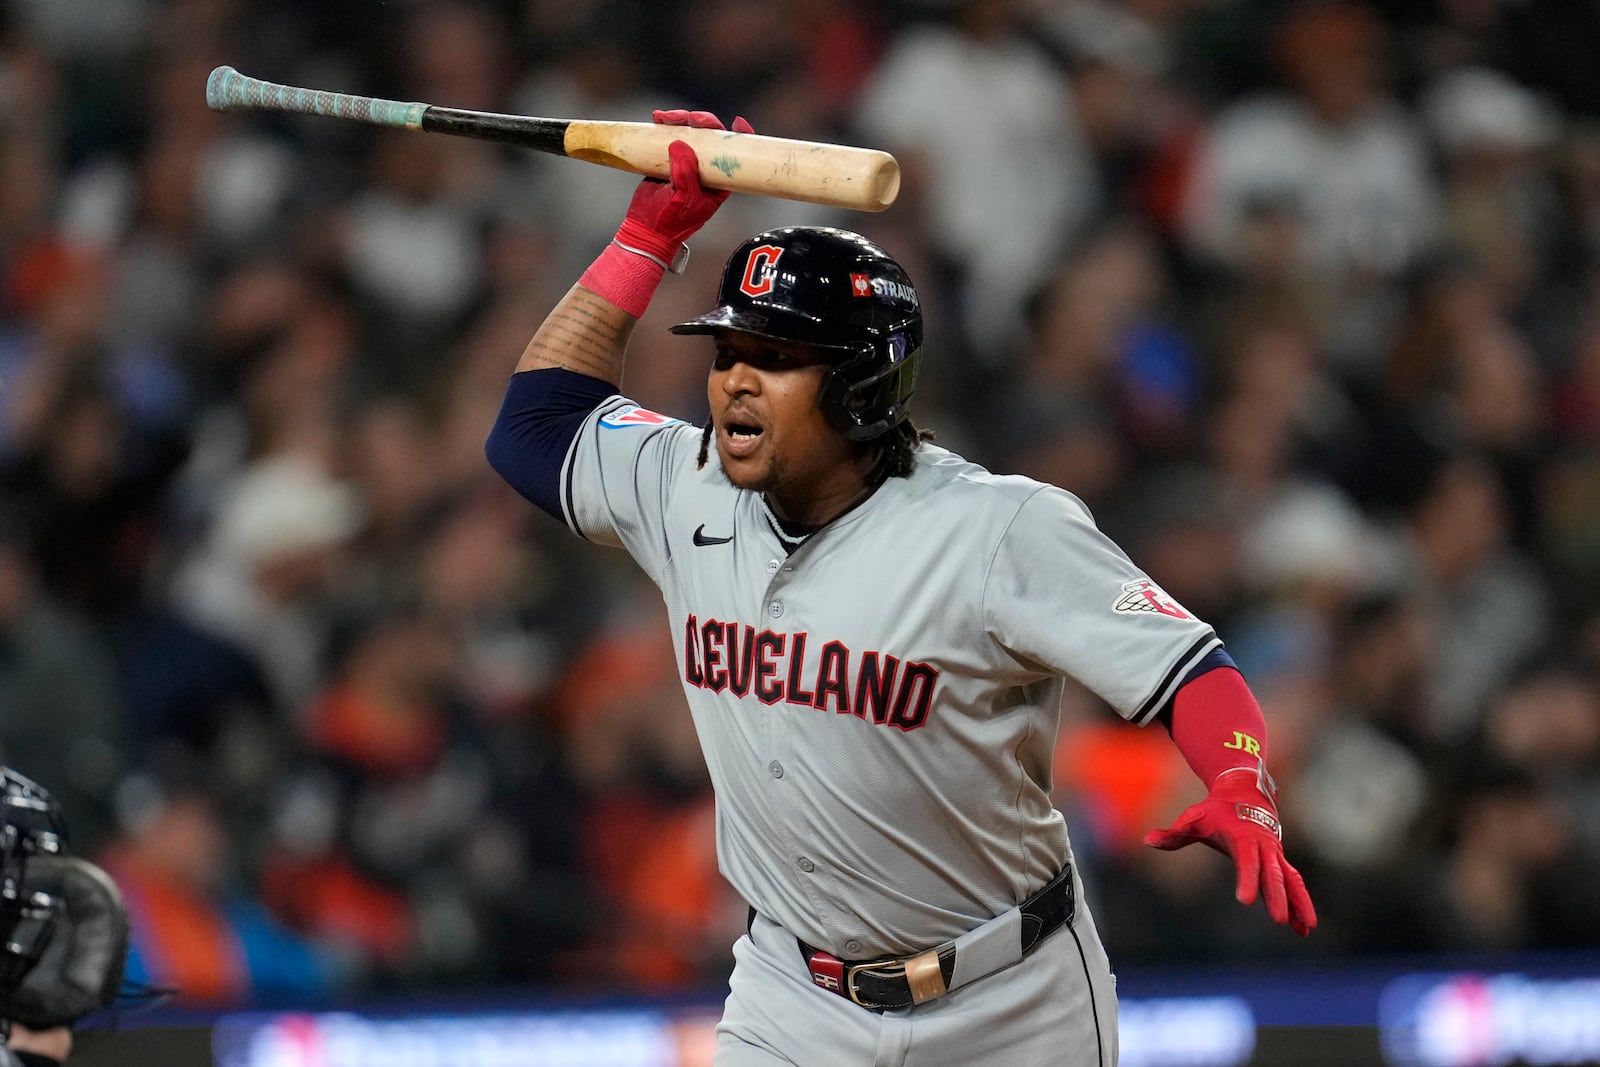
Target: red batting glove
1239,818
663,215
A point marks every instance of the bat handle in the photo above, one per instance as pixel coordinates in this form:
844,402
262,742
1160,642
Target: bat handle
228,90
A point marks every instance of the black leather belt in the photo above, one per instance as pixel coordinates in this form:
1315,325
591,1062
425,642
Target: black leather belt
900,982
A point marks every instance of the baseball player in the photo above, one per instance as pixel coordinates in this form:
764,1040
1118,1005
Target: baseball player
873,635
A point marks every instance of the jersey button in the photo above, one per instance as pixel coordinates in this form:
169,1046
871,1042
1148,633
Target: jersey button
806,865
772,566
775,609
776,768
852,946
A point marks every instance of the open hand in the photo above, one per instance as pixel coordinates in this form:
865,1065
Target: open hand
1240,820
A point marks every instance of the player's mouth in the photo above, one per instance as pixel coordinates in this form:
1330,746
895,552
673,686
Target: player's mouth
739,439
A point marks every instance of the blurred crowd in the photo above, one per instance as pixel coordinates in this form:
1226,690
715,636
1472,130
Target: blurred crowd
1300,298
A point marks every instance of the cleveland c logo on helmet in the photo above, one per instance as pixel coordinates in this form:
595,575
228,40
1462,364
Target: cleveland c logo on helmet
759,270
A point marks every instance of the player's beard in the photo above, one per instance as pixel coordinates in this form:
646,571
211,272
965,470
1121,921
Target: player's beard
772,472
766,478
792,484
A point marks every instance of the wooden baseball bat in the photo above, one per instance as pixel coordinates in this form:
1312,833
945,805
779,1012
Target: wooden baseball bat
861,179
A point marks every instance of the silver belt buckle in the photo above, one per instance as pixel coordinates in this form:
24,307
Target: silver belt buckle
893,969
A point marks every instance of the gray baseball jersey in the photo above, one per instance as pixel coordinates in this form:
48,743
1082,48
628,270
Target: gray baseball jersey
879,709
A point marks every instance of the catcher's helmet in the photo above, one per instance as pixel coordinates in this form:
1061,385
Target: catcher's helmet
63,922
31,824
836,291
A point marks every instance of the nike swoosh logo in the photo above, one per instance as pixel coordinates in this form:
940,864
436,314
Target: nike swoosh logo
701,540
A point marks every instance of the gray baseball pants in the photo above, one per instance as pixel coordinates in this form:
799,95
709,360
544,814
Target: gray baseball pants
1057,1007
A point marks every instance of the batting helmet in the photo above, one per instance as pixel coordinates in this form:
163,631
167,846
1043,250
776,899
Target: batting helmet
836,291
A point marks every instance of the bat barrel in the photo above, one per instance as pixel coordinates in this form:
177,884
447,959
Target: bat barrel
861,179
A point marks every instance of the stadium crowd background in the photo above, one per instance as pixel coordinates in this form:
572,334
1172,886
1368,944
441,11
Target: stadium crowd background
1300,299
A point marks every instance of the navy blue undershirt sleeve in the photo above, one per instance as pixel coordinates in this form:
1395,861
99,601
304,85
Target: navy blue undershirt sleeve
35,1059
1215,658
540,415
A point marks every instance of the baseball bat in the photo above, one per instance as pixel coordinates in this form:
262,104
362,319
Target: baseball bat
861,179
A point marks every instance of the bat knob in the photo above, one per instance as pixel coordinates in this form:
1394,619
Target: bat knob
217,96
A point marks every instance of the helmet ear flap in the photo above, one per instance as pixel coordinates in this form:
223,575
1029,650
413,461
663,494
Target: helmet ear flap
833,397
867,395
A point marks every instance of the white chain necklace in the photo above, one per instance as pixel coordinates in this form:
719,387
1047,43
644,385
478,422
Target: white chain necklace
777,527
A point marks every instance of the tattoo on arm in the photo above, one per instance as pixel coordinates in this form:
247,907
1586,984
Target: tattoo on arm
584,333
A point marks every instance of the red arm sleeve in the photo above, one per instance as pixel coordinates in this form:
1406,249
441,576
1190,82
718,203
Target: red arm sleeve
1217,724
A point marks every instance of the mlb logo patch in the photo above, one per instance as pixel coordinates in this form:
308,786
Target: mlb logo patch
1144,595
634,415
860,285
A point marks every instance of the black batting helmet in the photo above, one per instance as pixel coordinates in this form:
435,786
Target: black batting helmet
837,291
